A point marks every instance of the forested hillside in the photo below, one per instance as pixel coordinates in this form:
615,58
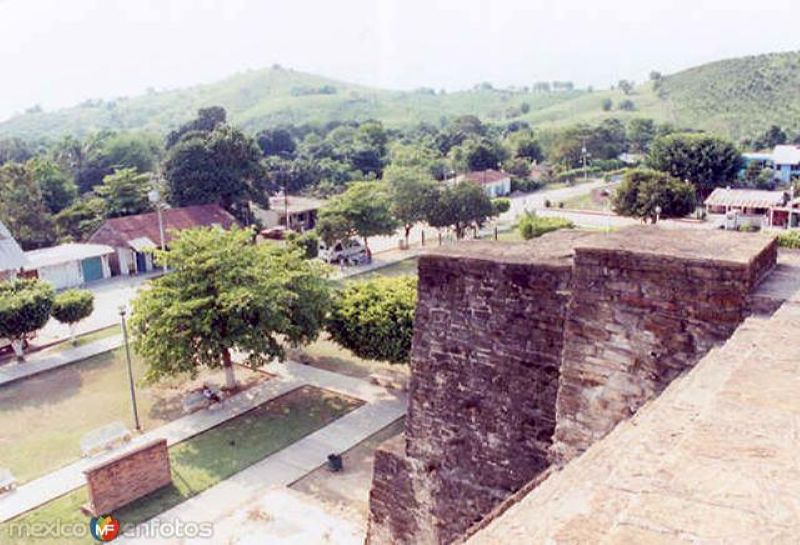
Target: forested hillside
738,98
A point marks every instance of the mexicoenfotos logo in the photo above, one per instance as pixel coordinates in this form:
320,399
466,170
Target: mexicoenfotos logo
104,528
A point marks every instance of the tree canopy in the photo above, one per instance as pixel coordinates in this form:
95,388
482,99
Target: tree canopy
25,307
460,207
125,192
226,294
222,166
364,210
704,160
72,306
642,191
22,207
375,319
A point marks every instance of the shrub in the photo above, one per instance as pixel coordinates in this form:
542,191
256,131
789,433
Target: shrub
375,319
25,306
307,243
547,203
525,185
501,205
532,226
789,239
72,306
643,190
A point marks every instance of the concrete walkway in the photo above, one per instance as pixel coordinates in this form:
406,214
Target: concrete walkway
289,376
39,362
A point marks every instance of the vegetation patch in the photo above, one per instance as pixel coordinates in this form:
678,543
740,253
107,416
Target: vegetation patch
533,226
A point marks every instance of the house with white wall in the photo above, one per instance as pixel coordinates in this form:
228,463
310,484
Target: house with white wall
784,160
69,265
494,182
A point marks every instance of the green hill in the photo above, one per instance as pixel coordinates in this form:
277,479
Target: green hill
737,97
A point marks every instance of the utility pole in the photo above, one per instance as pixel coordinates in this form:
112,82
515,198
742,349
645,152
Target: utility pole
286,206
584,155
122,311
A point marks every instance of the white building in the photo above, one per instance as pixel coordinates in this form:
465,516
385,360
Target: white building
70,265
12,258
494,183
784,160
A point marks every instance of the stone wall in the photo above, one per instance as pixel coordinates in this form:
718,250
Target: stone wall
638,318
128,477
527,353
485,360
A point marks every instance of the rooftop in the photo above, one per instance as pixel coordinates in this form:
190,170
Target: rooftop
120,231
483,177
11,255
295,205
750,198
786,155
65,253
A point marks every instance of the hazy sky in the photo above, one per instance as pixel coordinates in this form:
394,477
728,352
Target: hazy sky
59,52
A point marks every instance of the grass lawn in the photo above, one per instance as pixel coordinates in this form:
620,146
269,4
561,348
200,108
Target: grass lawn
326,354
206,459
400,268
42,418
586,202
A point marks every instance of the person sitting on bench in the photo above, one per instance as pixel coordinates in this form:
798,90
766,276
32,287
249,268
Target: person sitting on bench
210,394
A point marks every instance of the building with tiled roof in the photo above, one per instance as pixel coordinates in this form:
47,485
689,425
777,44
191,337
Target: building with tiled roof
133,237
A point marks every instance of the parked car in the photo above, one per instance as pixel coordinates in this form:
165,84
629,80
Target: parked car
343,251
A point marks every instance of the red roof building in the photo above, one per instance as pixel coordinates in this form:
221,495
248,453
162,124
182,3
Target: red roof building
494,182
133,236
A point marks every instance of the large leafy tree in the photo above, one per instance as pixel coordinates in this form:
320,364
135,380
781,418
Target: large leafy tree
57,187
704,160
81,219
72,306
646,194
460,207
125,192
411,191
375,319
222,166
25,307
22,207
207,120
225,294
364,209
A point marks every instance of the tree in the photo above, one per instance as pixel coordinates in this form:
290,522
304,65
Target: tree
78,221
501,206
459,207
705,161
58,189
72,306
528,148
375,319
225,294
207,120
25,307
125,193
627,105
22,208
15,150
607,104
774,136
655,75
276,142
644,191
640,133
411,192
222,166
626,86
364,209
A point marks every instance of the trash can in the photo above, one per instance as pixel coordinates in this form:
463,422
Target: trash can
335,462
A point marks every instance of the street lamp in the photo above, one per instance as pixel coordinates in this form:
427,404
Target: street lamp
658,213
155,197
122,311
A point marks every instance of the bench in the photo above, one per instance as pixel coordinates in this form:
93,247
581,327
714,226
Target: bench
105,439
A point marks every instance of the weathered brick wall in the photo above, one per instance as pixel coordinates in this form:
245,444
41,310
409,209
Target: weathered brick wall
523,354
128,477
392,488
485,359
637,320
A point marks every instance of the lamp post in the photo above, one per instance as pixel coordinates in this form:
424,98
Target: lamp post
122,311
658,213
155,197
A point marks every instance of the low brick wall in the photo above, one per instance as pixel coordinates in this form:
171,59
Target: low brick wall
128,477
